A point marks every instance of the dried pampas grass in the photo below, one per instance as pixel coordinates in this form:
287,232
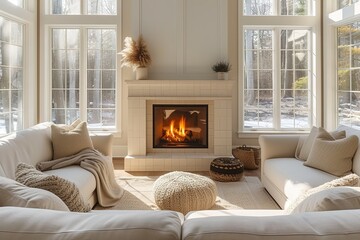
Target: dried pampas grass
135,55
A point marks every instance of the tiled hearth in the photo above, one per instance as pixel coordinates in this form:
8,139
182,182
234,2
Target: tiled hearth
142,94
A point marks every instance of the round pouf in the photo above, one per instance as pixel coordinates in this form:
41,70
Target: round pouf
226,169
184,192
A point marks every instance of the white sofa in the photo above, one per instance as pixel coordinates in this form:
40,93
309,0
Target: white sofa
34,145
286,177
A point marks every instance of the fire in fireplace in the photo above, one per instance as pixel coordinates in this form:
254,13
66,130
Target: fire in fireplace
180,126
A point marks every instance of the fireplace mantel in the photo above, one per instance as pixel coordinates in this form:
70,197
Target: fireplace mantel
142,94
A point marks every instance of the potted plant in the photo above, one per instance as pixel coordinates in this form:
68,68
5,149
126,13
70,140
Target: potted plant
136,56
222,68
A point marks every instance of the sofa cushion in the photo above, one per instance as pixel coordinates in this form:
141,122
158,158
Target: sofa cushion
351,180
292,178
337,198
305,144
332,156
36,224
69,140
356,159
15,194
64,189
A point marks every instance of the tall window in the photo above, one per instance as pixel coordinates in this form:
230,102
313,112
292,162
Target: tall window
348,74
277,62
82,63
11,75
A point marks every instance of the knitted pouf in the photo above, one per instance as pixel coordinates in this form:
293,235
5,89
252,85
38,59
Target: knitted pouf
184,192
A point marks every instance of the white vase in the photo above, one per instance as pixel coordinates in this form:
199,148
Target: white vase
222,75
141,73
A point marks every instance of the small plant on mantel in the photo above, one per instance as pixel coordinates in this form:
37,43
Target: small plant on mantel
221,68
136,56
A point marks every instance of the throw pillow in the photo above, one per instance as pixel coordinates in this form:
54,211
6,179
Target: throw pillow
305,144
15,194
64,189
68,141
351,180
338,198
332,156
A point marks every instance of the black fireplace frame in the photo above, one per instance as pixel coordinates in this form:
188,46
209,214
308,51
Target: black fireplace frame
185,146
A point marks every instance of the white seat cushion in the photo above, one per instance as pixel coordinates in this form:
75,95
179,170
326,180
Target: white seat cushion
292,178
82,178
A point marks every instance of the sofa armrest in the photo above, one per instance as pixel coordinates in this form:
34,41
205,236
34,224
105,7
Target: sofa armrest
102,143
278,146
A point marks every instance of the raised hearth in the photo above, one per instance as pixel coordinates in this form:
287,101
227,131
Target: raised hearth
200,101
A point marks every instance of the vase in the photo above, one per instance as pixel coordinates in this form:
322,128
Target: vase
222,75
141,73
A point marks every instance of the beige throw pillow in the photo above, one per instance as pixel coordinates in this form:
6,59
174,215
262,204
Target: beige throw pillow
64,189
351,180
332,156
15,194
68,141
337,198
305,144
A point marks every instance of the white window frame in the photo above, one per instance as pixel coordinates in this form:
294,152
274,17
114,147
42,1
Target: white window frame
312,22
276,8
27,16
47,22
83,9
333,18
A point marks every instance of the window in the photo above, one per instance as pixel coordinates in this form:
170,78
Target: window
277,7
78,7
264,60
344,3
100,64
280,87
19,3
11,76
80,63
348,74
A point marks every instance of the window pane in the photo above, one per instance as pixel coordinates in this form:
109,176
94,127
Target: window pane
11,75
258,81
295,77
102,7
65,75
66,7
344,3
294,7
348,74
101,77
259,8
19,3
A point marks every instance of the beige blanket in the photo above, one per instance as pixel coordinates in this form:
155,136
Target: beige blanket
108,191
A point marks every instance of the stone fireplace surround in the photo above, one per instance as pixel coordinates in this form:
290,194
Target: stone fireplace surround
142,94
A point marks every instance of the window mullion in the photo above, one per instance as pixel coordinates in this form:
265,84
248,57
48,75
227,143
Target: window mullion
83,74
277,78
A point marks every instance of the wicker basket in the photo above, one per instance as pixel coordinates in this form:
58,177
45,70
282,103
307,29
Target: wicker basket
249,156
226,169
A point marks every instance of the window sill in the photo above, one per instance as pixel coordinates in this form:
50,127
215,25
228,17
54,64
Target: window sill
256,133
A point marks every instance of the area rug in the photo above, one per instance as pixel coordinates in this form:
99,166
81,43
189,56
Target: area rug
245,194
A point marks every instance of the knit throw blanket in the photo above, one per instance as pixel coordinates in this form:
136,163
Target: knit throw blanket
108,191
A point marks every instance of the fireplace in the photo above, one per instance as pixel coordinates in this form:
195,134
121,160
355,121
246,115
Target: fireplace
180,126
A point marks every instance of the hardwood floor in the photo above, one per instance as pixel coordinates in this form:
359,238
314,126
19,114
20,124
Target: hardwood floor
119,168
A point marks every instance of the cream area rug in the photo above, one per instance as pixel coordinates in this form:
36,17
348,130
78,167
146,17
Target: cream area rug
245,194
